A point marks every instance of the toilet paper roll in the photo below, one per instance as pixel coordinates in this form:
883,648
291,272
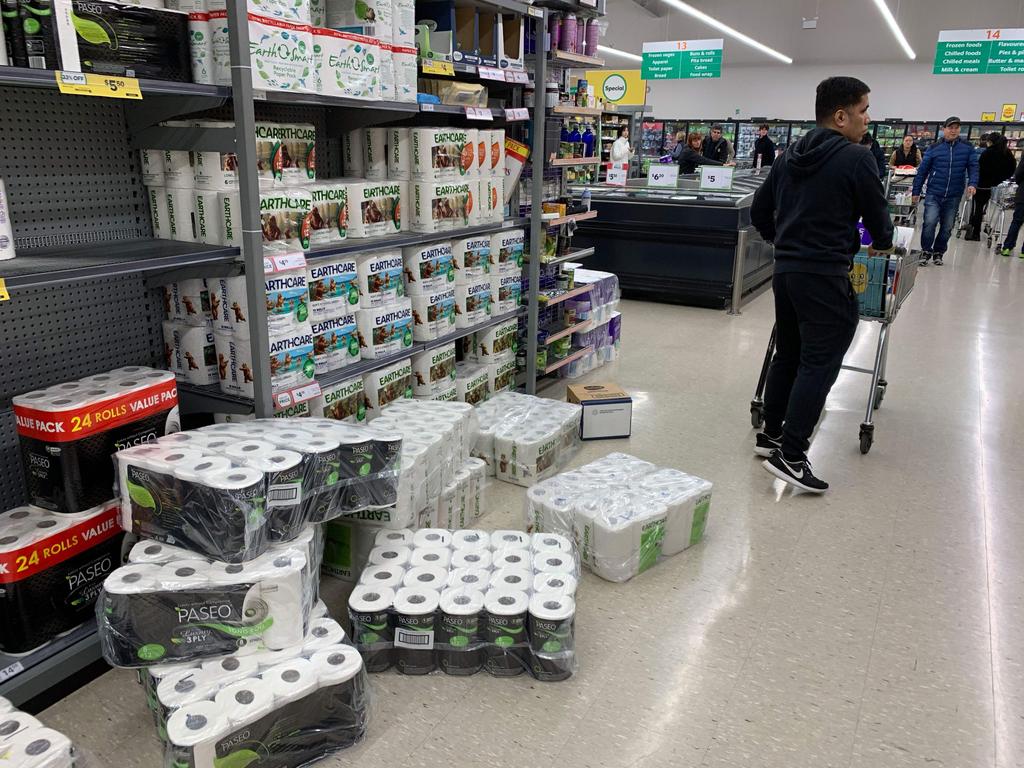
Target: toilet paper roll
38,748
209,221
467,540
196,723
460,648
323,633
230,668
181,212
550,542
438,557
242,451
198,354
432,537
158,213
554,562
558,583
336,665
369,610
426,577
399,153
133,579
401,538
512,579
470,578
415,615
184,687
375,153
513,558
509,540
16,722
155,552
291,680
551,627
185,574
507,653
200,43
246,701
152,162
391,557
472,558
352,153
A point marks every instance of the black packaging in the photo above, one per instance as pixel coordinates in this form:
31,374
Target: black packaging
415,618
369,610
14,34
460,645
38,32
551,628
507,650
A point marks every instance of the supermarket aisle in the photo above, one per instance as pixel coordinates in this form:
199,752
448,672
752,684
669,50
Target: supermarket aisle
881,625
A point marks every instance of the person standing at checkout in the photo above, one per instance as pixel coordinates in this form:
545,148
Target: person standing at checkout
809,207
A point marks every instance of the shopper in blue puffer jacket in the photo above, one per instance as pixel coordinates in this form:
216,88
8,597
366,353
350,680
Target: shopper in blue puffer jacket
947,167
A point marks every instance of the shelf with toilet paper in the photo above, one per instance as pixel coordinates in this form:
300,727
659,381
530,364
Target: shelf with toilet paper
575,60
550,300
390,242
576,255
580,327
46,78
576,354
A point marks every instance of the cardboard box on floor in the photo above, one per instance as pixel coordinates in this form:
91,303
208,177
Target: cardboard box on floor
607,410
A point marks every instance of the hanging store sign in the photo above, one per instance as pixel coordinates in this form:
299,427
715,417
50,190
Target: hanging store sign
618,86
682,59
988,117
1009,111
980,52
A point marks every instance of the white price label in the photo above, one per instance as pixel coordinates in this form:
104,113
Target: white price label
517,76
308,392
426,107
259,95
666,175
8,672
519,113
716,178
284,262
535,12
617,175
479,113
490,73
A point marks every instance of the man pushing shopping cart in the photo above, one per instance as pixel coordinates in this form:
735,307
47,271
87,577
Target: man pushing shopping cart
809,206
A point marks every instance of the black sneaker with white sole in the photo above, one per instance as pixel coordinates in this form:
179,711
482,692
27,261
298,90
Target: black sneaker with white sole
796,473
922,260
938,259
766,445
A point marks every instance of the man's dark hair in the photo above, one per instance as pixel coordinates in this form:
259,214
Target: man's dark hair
763,127
716,127
837,93
621,130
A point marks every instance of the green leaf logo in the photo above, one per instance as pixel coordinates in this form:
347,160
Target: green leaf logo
90,31
141,496
364,469
151,652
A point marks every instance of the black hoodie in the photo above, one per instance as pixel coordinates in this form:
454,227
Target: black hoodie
813,198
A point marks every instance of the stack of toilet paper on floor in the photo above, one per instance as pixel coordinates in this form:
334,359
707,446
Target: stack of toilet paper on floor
525,439
26,743
170,604
467,600
625,513
69,431
228,491
439,484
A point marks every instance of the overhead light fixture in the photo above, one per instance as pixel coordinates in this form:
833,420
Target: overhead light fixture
726,29
617,52
883,8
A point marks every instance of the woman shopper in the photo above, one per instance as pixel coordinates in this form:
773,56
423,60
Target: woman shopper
908,154
688,153
995,166
620,147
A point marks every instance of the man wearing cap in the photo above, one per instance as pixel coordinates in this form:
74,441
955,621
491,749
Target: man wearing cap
947,167
716,147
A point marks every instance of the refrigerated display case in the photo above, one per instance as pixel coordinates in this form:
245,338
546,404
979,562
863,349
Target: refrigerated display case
1014,133
747,134
925,134
678,245
796,130
890,136
652,141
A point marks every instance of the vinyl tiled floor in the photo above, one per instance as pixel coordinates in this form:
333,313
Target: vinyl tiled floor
880,626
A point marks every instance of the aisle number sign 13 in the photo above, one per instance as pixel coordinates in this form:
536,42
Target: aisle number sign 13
716,178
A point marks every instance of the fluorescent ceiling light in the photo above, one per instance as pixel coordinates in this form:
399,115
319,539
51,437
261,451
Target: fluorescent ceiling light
883,8
726,29
617,52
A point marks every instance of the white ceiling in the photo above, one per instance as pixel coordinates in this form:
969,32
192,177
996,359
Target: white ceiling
849,31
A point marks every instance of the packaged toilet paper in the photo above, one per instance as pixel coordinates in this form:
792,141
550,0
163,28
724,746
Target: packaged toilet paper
181,213
220,46
433,315
292,360
434,370
403,59
27,743
375,153
285,215
346,64
286,153
380,278
399,164
193,353
375,208
428,268
335,343
387,385
442,206
403,23
208,220
507,251
501,375
68,432
472,258
473,614
471,381
507,291
441,154
385,331
295,11
157,198
230,207
333,287
282,54
500,341
344,401
492,199
152,162
496,152
371,17
352,153
473,302
215,171
328,214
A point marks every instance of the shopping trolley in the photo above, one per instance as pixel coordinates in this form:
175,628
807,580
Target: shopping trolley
899,188
882,284
963,216
999,205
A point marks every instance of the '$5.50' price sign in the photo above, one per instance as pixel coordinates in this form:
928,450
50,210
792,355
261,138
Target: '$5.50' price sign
84,84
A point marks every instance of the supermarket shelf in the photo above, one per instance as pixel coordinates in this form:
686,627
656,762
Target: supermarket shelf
321,100
571,162
551,301
577,255
463,332
577,328
24,677
576,355
581,111
193,398
571,217
571,6
575,61
411,238
45,78
45,266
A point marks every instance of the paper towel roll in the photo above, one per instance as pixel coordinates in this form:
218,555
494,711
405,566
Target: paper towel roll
336,665
507,654
197,722
400,538
472,558
426,577
509,539
291,680
438,557
432,537
246,701
469,539
415,614
512,578
470,578
560,583
392,557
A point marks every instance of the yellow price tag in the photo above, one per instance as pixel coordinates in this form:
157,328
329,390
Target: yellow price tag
87,84
431,67
4,295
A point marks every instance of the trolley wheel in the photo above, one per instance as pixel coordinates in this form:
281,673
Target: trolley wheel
756,414
867,437
989,241
879,396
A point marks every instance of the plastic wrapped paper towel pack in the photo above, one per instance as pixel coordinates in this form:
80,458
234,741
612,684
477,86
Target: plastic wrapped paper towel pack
465,600
625,514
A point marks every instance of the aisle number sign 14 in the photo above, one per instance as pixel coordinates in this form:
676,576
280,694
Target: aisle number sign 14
716,178
682,59
980,52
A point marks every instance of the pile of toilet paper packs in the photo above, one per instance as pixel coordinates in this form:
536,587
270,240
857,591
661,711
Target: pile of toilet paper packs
625,514
27,743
